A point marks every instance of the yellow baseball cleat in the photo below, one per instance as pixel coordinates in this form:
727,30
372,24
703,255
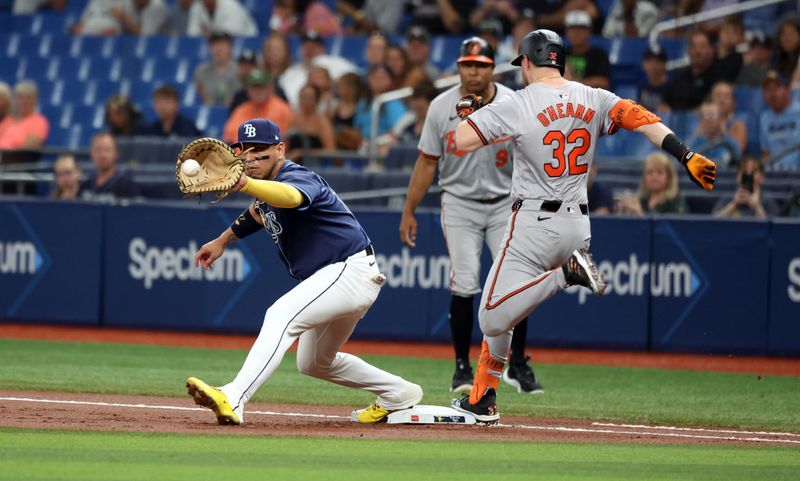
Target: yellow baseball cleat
373,413
213,399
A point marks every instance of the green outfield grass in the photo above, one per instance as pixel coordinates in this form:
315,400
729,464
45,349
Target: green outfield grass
86,456
589,392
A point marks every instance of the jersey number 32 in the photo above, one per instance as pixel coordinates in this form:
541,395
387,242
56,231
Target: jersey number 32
578,140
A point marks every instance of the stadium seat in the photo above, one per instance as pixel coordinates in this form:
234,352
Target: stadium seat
6,21
344,180
24,45
135,46
210,120
626,91
444,51
9,69
749,100
54,45
149,150
191,48
52,93
38,69
71,68
93,47
96,92
351,47
101,68
401,156
54,114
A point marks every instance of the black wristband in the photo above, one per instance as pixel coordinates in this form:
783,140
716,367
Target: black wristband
245,224
675,146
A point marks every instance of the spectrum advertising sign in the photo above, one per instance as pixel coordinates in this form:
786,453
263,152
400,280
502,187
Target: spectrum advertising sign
50,262
152,280
674,284
784,312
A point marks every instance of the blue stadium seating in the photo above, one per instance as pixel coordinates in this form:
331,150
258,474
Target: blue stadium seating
749,99
8,69
192,48
100,68
52,93
401,156
6,21
38,69
54,45
211,120
137,46
93,46
96,92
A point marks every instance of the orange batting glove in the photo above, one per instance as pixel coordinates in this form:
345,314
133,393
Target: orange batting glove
702,171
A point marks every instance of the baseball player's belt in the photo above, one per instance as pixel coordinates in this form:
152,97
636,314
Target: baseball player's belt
369,251
549,206
492,200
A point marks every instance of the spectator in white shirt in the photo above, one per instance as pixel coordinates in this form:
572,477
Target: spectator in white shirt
228,16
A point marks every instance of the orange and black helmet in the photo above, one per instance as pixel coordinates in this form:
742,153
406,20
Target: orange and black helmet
542,47
475,49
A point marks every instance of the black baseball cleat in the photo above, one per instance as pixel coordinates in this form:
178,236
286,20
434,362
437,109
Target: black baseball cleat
520,375
580,269
484,412
462,377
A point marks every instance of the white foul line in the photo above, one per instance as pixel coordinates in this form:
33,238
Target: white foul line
678,428
174,408
654,434
748,434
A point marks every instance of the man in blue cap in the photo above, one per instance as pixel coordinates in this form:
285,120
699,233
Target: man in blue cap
322,245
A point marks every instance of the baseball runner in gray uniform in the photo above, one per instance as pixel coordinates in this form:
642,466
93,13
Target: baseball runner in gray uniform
554,125
475,204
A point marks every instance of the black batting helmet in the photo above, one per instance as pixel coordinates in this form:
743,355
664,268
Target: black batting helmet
542,47
475,49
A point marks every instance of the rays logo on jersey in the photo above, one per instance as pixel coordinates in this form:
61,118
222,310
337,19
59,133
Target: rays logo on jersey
271,223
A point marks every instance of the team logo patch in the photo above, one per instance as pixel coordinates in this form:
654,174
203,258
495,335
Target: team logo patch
474,48
249,130
271,223
553,56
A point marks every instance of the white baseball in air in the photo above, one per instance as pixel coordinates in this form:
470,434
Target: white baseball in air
190,167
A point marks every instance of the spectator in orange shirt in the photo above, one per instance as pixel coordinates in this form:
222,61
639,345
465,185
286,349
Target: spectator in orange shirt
262,103
25,129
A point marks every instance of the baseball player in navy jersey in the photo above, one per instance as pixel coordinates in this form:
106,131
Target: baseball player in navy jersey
554,125
323,246
475,204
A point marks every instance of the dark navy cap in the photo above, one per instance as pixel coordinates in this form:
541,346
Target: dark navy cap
259,131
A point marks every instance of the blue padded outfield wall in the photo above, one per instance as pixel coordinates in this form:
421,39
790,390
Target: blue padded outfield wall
676,284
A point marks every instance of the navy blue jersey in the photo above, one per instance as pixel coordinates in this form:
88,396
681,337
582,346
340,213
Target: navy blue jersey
319,232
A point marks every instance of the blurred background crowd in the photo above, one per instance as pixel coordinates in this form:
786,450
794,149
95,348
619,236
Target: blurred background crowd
97,96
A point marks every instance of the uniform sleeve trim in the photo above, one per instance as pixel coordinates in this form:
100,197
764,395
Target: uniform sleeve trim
428,156
477,131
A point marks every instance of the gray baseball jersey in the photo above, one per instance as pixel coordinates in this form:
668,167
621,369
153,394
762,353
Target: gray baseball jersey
555,130
483,174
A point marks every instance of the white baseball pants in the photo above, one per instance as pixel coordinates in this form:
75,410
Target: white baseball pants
322,311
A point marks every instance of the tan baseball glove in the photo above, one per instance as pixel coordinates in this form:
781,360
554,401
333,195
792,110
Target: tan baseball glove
220,168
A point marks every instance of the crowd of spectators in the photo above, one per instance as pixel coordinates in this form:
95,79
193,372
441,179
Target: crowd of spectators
324,102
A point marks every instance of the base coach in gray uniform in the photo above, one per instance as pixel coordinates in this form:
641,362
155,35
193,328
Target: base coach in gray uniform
475,205
554,125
